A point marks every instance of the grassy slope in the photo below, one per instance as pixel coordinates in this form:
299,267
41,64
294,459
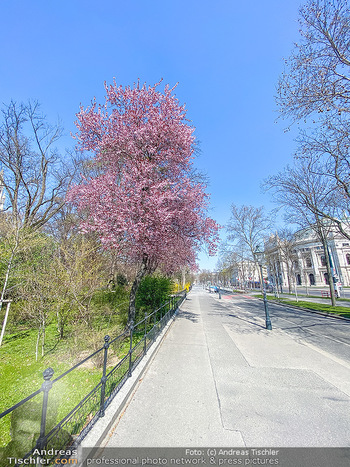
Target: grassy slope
21,375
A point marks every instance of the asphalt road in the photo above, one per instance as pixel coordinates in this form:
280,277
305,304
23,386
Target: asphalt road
329,334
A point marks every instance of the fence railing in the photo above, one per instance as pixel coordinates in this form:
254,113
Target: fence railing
67,434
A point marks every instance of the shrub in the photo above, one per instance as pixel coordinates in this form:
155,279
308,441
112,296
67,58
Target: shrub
152,293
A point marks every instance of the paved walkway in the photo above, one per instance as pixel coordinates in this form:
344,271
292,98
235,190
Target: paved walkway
219,380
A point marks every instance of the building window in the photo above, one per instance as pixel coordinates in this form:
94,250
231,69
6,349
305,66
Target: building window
298,279
323,261
308,263
345,244
348,258
312,279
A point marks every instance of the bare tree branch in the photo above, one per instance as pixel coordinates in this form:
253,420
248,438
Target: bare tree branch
35,176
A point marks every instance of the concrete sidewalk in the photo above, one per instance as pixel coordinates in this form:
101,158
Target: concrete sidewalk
219,380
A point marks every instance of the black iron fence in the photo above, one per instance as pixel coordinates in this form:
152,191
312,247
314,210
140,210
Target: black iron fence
117,366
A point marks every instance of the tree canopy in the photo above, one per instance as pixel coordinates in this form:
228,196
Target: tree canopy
145,199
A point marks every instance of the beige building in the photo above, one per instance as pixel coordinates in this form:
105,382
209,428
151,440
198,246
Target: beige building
246,274
305,261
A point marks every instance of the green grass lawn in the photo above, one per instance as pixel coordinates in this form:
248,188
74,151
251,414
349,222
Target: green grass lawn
316,296
337,310
21,375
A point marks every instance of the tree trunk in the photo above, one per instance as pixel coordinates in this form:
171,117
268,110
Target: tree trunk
329,271
60,325
4,287
183,276
132,300
295,288
289,280
5,321
276,282
37,344
43,338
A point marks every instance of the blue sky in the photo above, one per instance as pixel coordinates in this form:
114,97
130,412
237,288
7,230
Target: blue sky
226,56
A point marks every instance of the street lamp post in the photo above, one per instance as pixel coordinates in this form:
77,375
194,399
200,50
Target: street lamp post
259,255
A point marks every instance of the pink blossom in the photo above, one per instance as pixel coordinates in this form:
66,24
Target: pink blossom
144,203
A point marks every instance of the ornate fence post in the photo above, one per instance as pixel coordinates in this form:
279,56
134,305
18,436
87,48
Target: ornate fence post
130,350
104,378
45,387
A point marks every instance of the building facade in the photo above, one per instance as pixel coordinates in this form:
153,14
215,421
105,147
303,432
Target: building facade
245,275
304,263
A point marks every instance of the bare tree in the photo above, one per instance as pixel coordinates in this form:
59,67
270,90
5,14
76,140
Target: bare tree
205,276
287,254
315,88
79,270
35,177
239,261
247,228
225,269
36,298
248,225
304,191
316,79
326,152
274,264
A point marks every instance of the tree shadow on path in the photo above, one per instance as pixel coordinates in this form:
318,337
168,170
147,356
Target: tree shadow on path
188,315
221,310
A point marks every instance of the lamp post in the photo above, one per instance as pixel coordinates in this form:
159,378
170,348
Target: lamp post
259,256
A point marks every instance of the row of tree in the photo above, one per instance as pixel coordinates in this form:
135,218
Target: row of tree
34,180
313,91
251,227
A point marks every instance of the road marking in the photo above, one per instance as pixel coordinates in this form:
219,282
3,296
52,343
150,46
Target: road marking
239,296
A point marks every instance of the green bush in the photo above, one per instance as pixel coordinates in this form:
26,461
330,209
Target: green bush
152,293
111,306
